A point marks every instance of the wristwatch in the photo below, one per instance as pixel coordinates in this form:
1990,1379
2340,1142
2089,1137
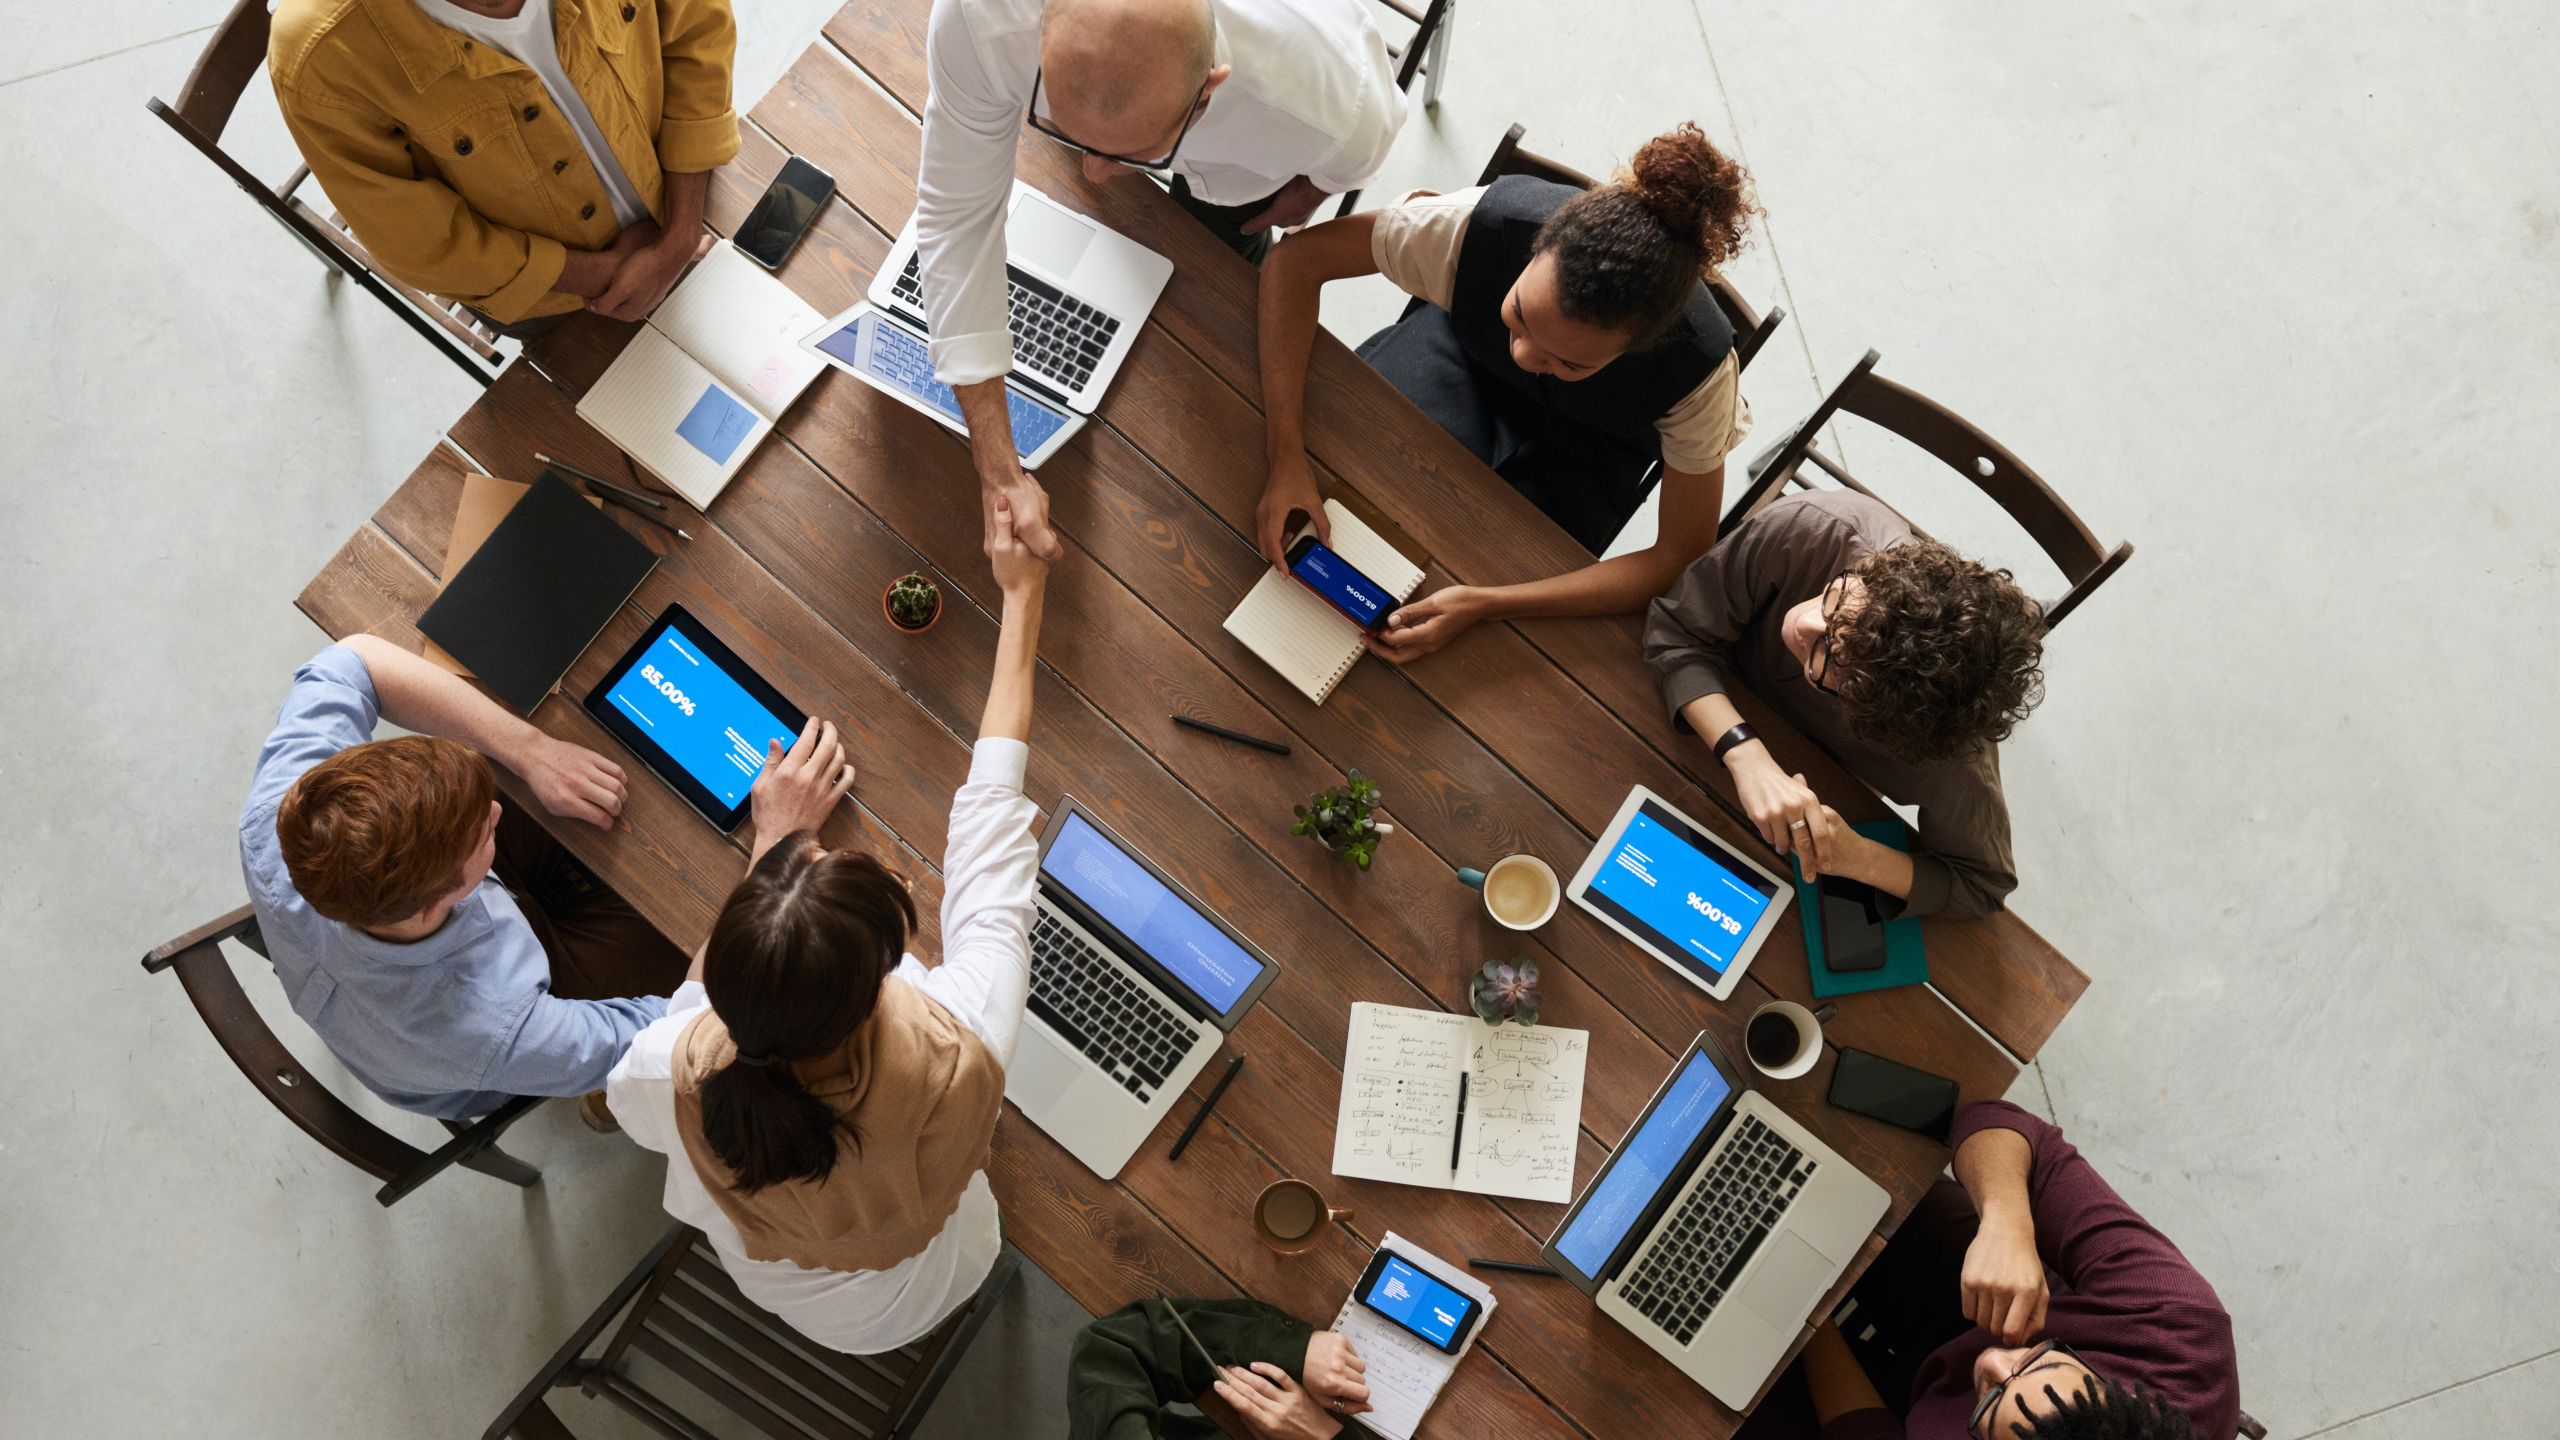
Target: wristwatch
1739,734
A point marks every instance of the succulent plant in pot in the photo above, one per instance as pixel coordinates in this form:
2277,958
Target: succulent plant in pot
1341,818
1506,990
912,602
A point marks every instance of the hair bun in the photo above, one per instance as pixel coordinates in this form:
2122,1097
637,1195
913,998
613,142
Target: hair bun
1698,192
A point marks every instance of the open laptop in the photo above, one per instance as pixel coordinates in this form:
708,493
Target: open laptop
1134,984
1715,1227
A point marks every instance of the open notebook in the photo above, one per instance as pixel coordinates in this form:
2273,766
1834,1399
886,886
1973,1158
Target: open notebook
697,389
1309,642
1408,1078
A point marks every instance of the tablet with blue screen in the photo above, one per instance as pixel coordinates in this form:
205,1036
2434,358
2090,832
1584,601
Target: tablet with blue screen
1696,903
689,707
877,349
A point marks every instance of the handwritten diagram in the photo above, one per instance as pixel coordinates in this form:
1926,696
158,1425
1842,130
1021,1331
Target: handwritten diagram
1400,1113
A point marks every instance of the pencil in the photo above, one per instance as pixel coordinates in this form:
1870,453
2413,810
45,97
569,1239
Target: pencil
609,497
626,492
1183,1141
1223,733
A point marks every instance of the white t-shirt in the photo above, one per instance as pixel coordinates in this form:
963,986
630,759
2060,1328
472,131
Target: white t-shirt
990,874
528,38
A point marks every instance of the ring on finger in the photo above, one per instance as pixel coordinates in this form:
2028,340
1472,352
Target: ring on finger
1795,825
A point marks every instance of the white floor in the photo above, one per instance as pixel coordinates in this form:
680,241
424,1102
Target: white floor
2271,290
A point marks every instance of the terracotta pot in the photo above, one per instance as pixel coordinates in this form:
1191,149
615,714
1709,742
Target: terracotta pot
887,614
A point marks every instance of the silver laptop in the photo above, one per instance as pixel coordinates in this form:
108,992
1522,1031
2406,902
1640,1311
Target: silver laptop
1715,1227
1134,984
1080,291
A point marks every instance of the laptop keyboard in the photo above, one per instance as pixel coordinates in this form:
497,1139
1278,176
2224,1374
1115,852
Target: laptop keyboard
1055,335
1093,1004
1683,1275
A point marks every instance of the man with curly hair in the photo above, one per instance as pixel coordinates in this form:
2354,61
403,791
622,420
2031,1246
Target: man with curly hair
1906,661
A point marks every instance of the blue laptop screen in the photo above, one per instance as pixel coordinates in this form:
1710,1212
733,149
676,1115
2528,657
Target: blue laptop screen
705,721
1671,884
1645,1163
1084,863
901,361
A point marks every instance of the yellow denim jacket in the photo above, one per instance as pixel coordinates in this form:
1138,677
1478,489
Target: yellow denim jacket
447,158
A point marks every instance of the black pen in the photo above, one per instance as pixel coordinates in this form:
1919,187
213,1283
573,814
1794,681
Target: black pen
637,497
1460,1134
1512,1265
1183,1141
663,523
1223,733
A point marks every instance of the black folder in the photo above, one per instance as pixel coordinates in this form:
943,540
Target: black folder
537,593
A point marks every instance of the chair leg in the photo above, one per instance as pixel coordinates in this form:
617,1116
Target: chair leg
473,1147
1436,59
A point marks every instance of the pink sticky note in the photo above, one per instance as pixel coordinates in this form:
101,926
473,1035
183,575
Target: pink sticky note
769,377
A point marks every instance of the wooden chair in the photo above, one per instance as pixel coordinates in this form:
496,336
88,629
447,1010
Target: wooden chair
212,91
1426,53
243,1034
1960,446
1751,330
690,1318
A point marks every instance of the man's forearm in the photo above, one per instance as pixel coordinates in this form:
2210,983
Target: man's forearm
1839,1384
982,406
1622,586
416,695
1874,862
1285,335
587,273
687,198
1994,1166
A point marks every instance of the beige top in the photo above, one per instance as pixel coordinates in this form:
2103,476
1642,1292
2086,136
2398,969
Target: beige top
1415,244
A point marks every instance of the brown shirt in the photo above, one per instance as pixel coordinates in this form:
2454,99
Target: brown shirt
1718,630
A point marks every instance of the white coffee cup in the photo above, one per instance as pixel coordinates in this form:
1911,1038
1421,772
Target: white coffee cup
1514,883
1804,1029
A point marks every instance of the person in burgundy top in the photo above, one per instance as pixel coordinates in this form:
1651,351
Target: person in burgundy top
2125,1341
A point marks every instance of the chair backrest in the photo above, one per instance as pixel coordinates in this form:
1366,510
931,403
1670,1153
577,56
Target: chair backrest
690,1318
230,59
2074,549
1751,329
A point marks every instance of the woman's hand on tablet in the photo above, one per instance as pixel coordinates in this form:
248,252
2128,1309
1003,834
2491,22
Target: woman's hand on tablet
572,781
799,786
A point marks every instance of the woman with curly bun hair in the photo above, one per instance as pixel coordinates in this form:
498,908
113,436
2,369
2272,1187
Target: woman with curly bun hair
1908,662
1565,336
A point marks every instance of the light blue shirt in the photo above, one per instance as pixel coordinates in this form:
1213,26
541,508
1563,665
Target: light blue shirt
451,1025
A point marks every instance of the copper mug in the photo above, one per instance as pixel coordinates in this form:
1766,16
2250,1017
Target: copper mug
1290,1216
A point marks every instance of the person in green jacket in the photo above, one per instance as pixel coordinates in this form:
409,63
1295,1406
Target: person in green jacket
1284,1379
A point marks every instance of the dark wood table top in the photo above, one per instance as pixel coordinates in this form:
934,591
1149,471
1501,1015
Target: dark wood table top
1519,737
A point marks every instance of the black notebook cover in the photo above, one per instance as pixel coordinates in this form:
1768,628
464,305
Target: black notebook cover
539,590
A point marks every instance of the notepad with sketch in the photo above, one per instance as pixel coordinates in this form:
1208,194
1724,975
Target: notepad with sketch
1309,642
1405,1374
1400,1103
698,388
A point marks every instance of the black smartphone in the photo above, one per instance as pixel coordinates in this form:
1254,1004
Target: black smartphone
1342,587
1852,925
1894,1093
784,212
1434,1311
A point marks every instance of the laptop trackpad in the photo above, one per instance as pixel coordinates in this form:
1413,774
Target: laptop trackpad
1041,1073
1787,1281
1047,238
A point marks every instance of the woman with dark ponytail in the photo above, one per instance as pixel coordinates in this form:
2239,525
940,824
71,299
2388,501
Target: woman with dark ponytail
825,1101
1565,336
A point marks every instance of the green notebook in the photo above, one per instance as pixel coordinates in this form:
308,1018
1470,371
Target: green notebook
1905,963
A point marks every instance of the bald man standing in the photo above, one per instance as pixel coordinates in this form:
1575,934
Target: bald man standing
1253,110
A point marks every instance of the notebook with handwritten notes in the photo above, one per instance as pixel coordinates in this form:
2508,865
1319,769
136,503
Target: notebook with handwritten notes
1295,632
1404,1076
701,384
1405,1375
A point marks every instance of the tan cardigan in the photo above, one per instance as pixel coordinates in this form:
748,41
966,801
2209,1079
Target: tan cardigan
922,1092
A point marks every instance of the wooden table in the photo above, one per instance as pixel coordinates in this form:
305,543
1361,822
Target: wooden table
1519,737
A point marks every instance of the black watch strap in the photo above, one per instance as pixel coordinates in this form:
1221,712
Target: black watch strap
1739,734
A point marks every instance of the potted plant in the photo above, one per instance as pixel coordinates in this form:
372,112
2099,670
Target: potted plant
912,602
1506,990
1341,818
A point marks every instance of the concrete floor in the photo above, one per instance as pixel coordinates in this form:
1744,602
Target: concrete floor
2269,289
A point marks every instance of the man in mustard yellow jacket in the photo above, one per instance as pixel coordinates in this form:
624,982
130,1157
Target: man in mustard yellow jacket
524,157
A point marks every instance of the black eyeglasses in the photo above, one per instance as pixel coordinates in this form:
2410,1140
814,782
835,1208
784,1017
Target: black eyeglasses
1817,672
1031,116
1991,1401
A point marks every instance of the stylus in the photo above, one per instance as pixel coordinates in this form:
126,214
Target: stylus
1223,733
1512,1265
626,492
610,496
1182,1141
1460,1133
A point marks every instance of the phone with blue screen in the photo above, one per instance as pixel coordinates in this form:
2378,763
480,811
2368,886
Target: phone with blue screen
1433,1311
1316,566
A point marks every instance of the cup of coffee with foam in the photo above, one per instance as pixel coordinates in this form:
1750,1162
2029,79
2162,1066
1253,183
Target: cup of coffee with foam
1520,892
1290,1216
1784,1039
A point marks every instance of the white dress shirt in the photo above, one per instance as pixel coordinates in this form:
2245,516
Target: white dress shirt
990,874
1312,93
527,37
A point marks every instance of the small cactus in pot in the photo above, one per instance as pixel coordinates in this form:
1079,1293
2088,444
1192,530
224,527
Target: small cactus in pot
1506,990
1341,819
912,602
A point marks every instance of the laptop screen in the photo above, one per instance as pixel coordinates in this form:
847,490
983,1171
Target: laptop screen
1648,1163
1084,863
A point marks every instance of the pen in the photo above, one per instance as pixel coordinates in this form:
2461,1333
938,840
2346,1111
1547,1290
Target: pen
1183,1141
1223,733
1512,1265
625,491
609,497
1461,1132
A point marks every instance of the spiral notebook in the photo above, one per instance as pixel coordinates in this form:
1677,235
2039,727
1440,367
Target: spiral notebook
1404,1374
1309,642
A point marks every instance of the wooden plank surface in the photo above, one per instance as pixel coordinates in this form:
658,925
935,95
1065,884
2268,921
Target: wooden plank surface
1518,738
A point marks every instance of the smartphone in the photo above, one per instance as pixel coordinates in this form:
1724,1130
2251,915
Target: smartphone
1438,1314
784,212
1894,1093
1329,575
1852,925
